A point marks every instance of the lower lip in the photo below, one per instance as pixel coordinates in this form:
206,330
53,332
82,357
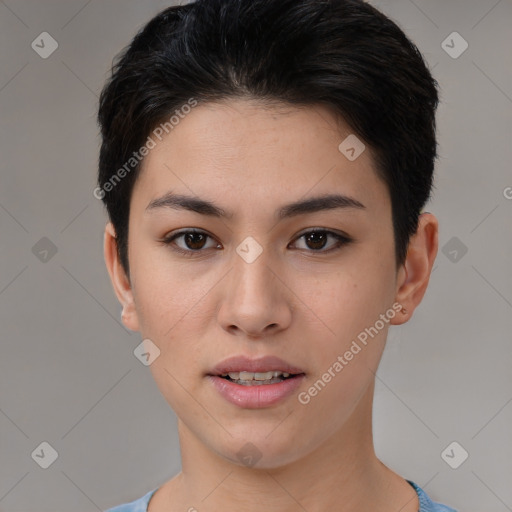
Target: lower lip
255,397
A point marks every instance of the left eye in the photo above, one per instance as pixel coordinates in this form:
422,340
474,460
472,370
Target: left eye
316,240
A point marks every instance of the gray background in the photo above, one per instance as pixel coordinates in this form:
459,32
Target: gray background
68,375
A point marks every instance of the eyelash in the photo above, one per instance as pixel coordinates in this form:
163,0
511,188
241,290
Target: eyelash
342,240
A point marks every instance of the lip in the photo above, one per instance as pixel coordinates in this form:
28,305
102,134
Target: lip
262,364
259,396
255,397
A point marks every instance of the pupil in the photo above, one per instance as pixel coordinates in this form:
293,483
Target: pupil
189,240
318,240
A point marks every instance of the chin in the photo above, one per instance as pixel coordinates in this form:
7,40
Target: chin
261,452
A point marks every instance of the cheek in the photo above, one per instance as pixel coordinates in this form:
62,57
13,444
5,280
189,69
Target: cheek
176,313
165,294
347,345
346,301
347,304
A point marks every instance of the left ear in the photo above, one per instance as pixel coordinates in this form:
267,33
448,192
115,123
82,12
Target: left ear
414,274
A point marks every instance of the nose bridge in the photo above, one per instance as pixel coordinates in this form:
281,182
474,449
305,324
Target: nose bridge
253,299
252,278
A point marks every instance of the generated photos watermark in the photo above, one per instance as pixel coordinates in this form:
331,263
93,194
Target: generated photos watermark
304,397
156,136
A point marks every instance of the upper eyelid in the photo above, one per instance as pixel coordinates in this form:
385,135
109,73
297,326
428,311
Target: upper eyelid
322,230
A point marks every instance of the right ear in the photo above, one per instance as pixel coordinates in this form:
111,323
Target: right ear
119,279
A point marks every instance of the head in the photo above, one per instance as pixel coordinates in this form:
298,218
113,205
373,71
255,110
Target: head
296,140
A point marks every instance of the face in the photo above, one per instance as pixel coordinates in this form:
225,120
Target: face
285,269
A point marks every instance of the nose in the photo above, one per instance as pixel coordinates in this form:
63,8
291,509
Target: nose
255,301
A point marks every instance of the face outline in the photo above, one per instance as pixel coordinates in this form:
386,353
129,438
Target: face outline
305,307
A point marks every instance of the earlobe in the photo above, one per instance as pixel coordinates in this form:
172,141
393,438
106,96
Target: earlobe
119,279
414,275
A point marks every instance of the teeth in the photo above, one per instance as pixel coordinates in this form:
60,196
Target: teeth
259,376
257,382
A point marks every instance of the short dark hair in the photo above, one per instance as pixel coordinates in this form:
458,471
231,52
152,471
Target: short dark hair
343,54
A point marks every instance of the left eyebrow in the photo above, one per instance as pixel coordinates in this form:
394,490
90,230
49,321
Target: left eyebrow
301,207
319,203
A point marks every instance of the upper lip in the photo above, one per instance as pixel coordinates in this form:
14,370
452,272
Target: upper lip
262,364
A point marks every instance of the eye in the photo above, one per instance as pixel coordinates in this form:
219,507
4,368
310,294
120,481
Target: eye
192,241
316,240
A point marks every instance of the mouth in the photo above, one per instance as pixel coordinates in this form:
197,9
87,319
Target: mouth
255,372
246,378
255,383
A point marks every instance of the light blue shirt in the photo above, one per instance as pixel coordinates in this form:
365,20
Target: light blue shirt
426,504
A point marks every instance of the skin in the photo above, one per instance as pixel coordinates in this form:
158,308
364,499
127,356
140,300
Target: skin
302,305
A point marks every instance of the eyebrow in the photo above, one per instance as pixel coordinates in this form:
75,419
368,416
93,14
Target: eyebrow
301,207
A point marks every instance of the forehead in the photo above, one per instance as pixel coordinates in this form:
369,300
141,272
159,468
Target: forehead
255,152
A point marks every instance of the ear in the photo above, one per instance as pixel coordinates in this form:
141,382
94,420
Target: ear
119,279
414,274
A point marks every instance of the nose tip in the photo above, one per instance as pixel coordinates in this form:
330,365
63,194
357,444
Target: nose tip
253,301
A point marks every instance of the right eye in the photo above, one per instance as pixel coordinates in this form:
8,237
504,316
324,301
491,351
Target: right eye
192,242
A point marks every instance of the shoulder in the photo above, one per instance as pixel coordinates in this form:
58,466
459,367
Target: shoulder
140,505
426,504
